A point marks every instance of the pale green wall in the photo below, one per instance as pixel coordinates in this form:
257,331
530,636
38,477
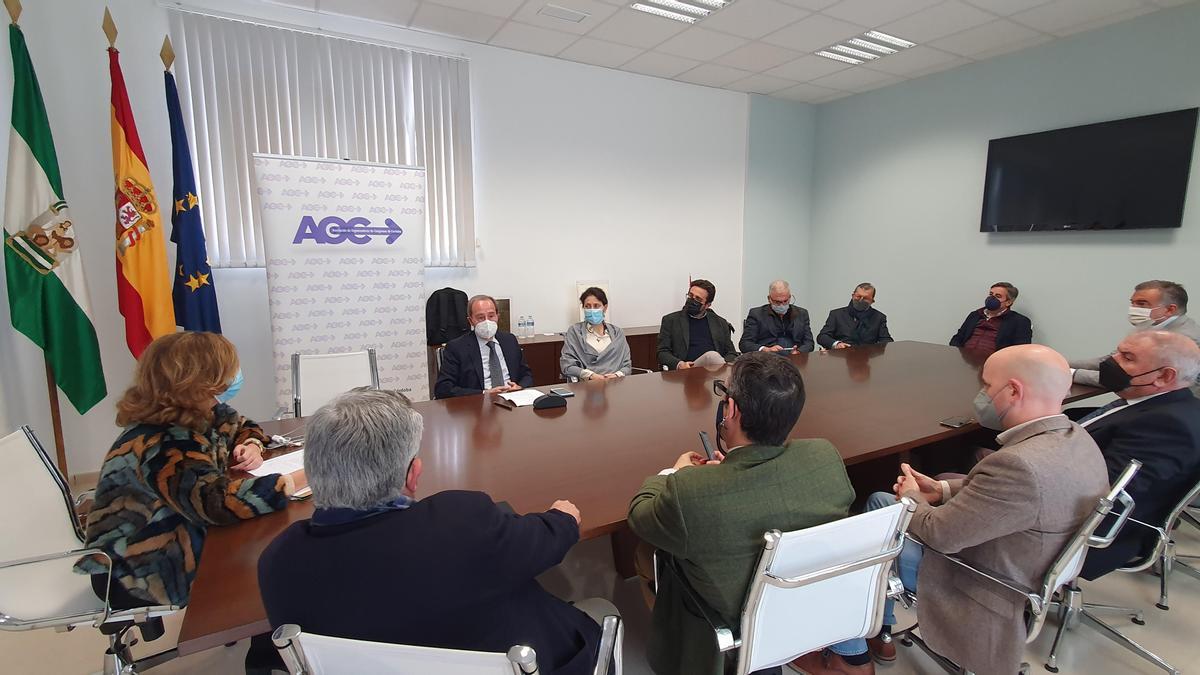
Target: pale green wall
899,181
778,199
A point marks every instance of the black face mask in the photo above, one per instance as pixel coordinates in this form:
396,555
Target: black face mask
1114,378
860,305
693,307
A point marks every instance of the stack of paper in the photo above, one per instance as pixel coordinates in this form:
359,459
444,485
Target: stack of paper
289,463
522,397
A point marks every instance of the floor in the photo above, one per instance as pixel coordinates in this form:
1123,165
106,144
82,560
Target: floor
588,572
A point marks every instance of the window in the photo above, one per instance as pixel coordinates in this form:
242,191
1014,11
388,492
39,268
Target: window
249,88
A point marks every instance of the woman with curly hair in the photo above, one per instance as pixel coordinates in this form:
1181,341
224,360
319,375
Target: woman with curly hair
167,477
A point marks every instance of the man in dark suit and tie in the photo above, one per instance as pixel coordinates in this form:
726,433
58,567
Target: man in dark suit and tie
855,324
485,360
996,325
1156,421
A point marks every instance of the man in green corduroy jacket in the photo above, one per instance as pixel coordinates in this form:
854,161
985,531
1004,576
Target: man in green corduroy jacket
711,516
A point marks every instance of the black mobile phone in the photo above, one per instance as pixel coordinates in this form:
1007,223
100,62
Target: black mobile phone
708,449
956,422
562,391
503,403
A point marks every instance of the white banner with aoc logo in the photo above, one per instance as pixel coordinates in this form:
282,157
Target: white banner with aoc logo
345,245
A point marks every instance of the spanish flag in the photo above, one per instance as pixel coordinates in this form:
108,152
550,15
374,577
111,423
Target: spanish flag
143,283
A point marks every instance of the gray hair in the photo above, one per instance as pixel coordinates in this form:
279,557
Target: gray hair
1175,351
358,448
1172,293
480,298
778,285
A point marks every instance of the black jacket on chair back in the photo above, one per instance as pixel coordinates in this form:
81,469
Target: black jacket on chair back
445,316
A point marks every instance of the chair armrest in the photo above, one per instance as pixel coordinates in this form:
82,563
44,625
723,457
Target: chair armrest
74,553
609,644
1035,600
83,497
727,638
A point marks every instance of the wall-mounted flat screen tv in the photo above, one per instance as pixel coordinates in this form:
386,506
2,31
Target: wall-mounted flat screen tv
1129,174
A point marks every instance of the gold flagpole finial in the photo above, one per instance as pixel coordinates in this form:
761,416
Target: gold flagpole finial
167,53
110,28
14,9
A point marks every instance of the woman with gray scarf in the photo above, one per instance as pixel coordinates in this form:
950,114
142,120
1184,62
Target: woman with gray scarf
594,349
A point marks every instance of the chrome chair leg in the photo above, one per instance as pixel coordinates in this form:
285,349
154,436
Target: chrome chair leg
1165,565
1118,637
908,639
1135,615
1068,607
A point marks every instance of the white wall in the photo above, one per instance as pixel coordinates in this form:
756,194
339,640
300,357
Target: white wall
581,173
776,230
899,185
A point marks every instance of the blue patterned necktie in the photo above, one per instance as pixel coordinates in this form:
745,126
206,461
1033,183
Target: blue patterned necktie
1103,409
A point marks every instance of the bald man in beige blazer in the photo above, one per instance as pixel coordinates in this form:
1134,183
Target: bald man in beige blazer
1011,515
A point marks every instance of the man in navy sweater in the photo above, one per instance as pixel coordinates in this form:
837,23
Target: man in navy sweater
452,570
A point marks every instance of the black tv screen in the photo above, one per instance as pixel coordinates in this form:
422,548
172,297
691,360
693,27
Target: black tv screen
1127,174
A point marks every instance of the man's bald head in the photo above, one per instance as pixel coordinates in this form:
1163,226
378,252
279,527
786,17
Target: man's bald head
1026,382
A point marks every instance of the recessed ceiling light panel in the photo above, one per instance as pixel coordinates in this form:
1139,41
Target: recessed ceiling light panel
664,13
856,53
890,39
839,57
866,44
682,7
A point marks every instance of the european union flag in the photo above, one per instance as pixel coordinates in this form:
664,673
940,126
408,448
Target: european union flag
194,294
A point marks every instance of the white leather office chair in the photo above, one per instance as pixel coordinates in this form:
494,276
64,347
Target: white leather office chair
1059,578
318,378
812,588
312,654
40,541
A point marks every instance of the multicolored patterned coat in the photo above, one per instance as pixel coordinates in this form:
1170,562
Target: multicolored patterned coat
160,488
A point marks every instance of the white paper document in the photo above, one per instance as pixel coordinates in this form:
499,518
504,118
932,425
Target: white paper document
289,463
709,359
522,397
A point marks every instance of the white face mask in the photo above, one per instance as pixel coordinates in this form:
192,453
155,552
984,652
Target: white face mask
486,329
1140,316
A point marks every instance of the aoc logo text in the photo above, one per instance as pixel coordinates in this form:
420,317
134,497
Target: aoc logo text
336,230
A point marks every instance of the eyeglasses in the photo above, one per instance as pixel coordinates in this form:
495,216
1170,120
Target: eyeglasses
721,390
689,296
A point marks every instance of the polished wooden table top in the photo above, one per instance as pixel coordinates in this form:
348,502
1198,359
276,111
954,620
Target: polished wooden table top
869,401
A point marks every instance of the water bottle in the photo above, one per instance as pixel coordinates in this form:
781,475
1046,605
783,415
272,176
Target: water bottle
532,326
521,322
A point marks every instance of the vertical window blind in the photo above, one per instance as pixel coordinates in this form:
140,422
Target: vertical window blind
249,88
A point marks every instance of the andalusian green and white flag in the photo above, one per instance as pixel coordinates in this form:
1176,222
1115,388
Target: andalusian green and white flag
47,293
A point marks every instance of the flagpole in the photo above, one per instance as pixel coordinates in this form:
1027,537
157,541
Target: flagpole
56,420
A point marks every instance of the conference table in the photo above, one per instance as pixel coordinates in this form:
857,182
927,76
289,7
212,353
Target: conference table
875,403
